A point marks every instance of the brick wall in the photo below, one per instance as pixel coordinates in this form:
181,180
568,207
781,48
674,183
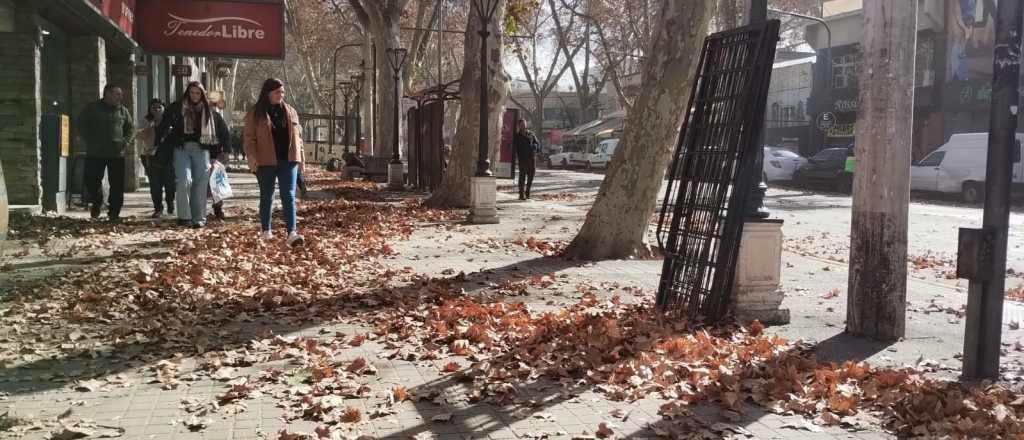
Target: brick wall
19,117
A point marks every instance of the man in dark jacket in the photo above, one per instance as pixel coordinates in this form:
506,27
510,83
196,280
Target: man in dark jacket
107,129
526,147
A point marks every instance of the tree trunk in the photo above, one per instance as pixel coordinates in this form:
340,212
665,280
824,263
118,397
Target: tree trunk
454,191
616,224
382,19
876,303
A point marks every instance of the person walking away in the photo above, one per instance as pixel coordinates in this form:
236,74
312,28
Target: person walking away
158,168
193,133
273,150
526,147
107,129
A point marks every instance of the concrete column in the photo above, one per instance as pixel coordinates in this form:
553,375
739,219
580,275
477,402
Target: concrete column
121,71
19,115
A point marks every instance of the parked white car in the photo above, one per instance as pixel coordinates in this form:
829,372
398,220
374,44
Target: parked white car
603,155
958,166
780,163
569,157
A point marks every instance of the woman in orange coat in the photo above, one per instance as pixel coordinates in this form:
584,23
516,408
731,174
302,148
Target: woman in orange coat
273,147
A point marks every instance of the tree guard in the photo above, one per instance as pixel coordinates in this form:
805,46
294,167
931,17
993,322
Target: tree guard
425,135
712,171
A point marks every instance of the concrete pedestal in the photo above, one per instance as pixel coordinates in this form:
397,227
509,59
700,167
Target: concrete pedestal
352,173
396,176
484,196
756,294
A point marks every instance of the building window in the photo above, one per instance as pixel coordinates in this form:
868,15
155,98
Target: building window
800,111
844,70
924,63
775,114
788,115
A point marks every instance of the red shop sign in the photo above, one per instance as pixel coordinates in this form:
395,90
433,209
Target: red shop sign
243,29
121,12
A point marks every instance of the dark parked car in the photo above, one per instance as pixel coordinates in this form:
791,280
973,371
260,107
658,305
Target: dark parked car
828,167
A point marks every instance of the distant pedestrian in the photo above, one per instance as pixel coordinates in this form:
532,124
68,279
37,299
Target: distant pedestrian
159,169
273,149
107,129
195,134
526,147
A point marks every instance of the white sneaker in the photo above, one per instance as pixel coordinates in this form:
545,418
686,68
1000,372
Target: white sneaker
294,239
266,235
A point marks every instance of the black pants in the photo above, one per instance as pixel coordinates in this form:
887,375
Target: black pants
114,167
161,183
526,172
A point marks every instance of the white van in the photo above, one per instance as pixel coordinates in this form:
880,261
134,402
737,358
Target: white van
958,166
602,155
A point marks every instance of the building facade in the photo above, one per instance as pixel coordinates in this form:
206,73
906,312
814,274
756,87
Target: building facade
786,119
953,73
58,56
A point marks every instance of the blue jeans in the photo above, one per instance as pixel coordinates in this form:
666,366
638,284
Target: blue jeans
192,178
286,175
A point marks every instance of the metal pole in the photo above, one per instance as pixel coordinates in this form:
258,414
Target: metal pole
395,157
985,298
348,122
483,165
359,119
376,102
755,203
334,93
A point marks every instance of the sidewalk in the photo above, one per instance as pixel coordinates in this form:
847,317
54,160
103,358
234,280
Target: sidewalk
138,390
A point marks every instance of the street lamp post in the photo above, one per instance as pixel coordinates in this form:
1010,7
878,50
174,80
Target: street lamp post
485,11
334,90
396,171
357,81
484,187
755,203
346,95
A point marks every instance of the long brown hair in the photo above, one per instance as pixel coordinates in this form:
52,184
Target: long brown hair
263,103
202,99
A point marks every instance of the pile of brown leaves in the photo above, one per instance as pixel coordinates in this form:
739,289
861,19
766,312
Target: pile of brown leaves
224,275
628,354
559,196
543,247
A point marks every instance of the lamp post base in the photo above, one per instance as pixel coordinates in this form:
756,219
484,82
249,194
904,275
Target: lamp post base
484,195
756,292
396,176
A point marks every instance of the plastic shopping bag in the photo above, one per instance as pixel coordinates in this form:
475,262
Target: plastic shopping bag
220,188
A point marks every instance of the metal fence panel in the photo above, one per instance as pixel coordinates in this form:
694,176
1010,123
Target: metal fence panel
712,171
